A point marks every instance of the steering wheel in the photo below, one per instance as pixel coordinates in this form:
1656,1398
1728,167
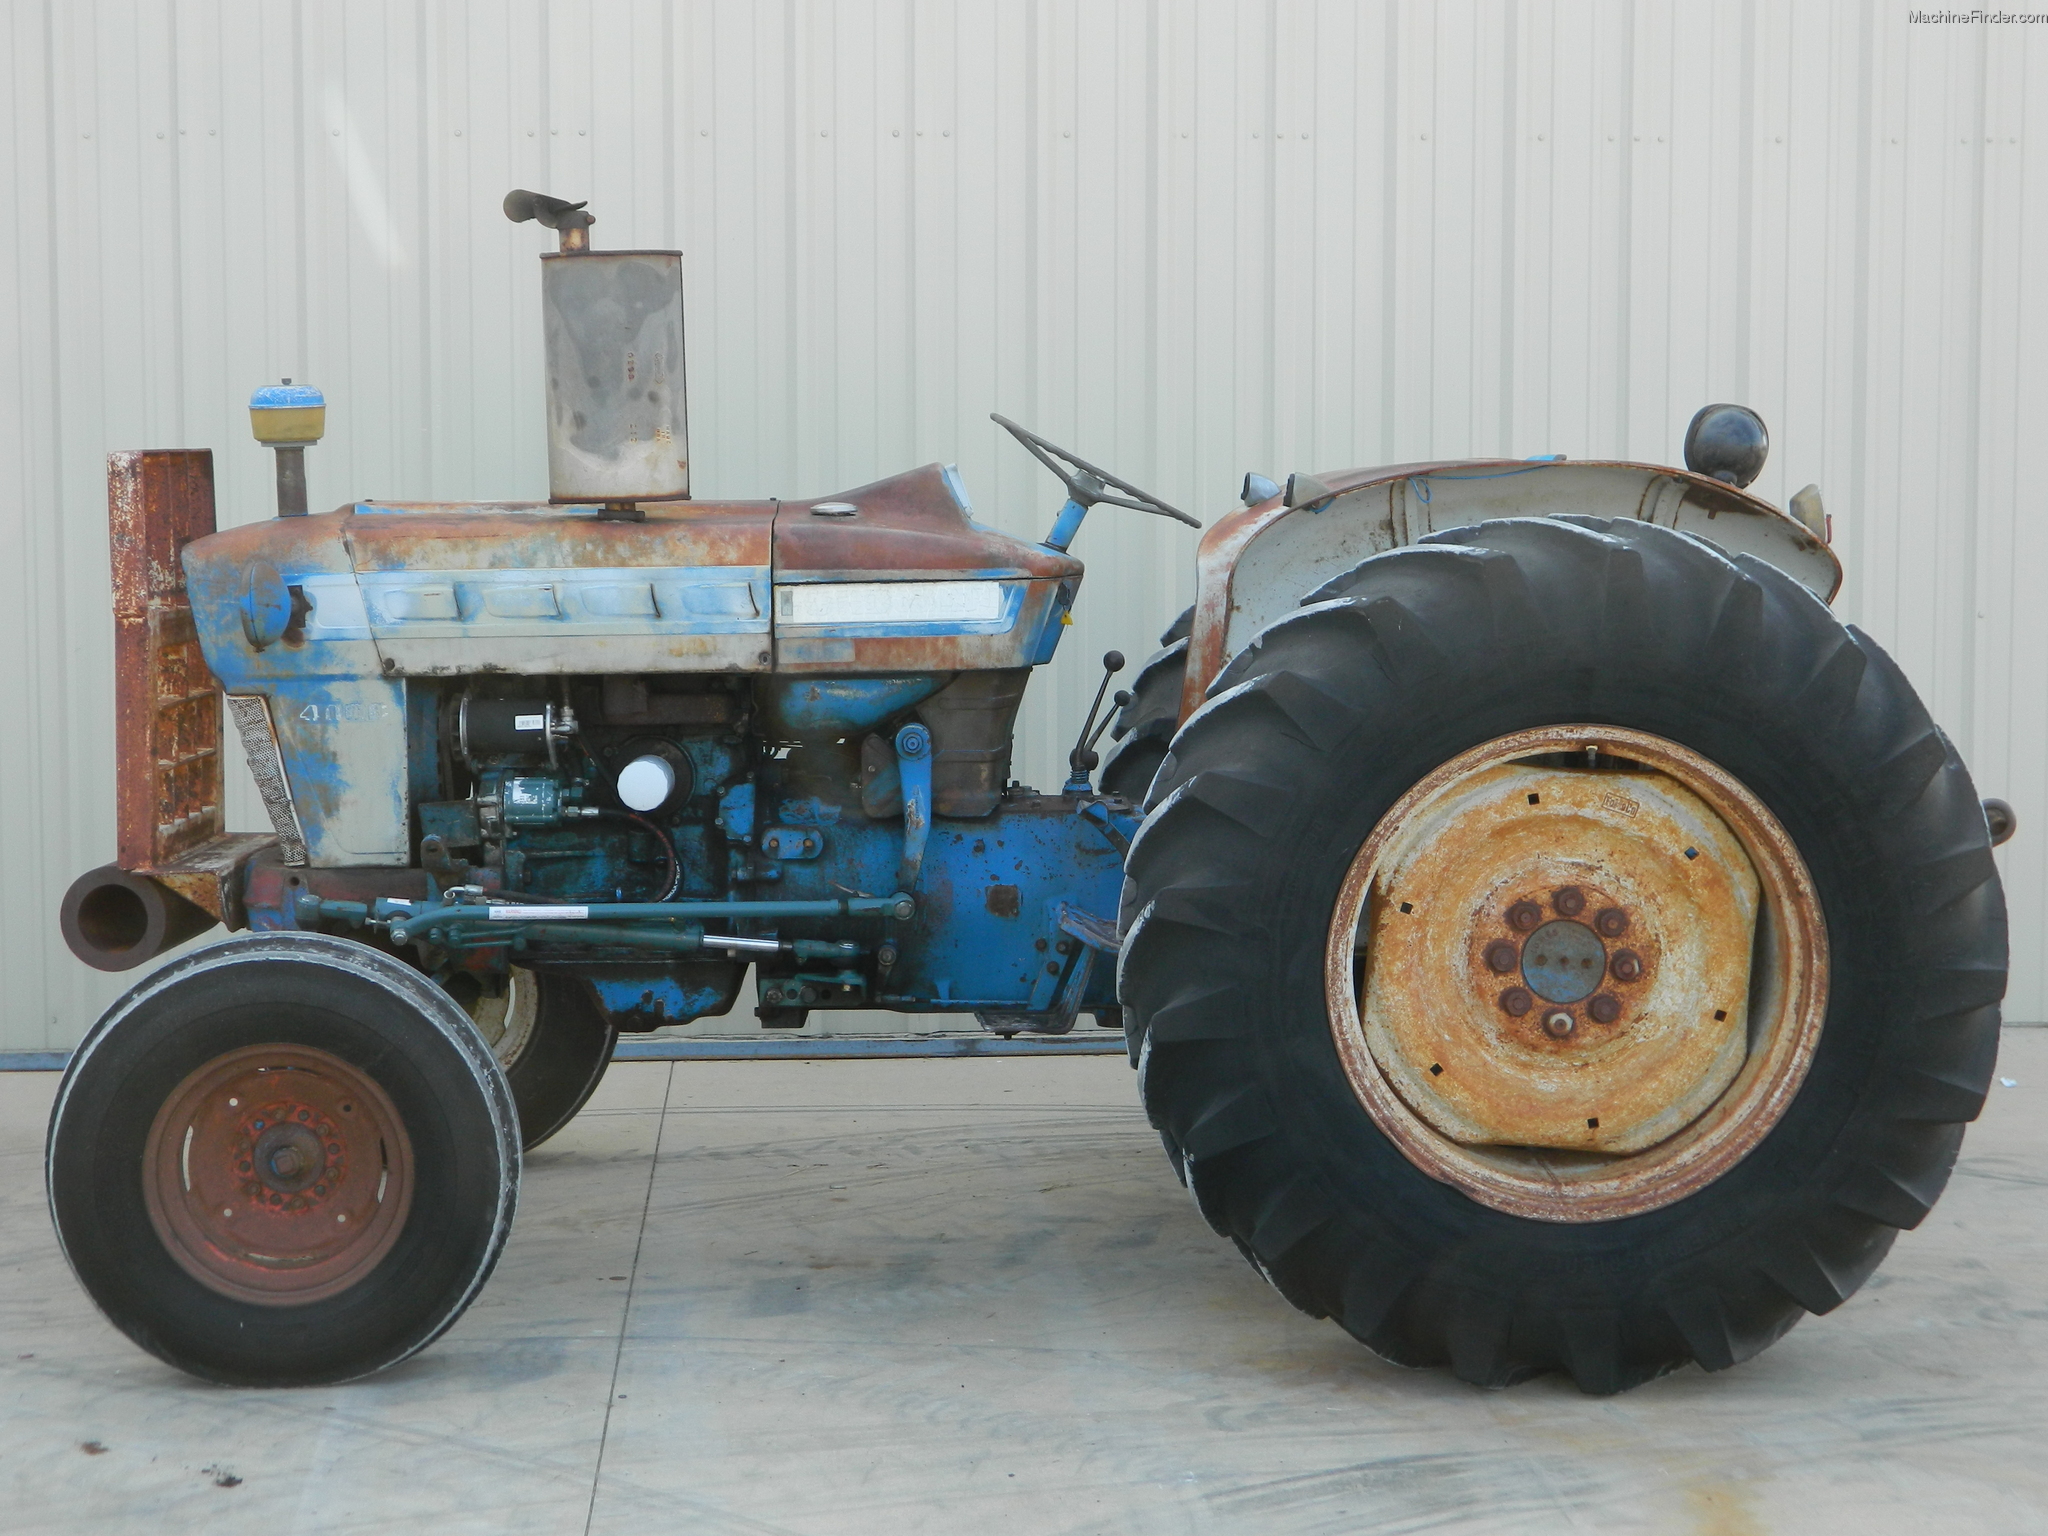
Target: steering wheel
1085,482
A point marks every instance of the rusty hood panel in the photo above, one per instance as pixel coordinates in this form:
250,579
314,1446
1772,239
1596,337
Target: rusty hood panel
908,527
898,577
521,536
547,589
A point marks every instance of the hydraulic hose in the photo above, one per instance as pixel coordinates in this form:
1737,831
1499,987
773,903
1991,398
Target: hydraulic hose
668,851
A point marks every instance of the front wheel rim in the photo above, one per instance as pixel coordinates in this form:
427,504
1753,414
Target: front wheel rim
1534,1034
278,1175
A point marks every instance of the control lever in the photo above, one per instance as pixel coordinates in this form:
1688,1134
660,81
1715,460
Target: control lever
914,765
1117,701
1083,760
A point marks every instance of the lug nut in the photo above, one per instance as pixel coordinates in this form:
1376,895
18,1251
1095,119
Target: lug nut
1570,901
1516,1001
1626,965
1605,1008
1523,916
1559,1025
1501,956
1612,922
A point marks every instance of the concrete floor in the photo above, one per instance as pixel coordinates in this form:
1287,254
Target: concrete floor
944,1296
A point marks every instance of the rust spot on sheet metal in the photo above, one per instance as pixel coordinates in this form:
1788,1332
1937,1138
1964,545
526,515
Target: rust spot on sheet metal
210,876
501,537
1215,559
272,883
906,526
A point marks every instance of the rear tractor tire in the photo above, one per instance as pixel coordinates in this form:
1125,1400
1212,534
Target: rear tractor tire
1144,727
552,1040
1563,946
283,1160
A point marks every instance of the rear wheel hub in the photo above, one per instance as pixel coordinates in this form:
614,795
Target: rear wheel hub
1577,971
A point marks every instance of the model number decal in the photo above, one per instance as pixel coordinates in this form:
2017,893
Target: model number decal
340,714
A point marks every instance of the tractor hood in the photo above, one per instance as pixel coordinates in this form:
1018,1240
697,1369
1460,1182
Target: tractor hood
893,576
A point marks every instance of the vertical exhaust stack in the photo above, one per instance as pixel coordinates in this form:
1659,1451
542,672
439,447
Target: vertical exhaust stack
618,429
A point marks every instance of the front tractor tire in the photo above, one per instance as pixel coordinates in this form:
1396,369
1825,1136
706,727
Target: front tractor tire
1563,946
283,1160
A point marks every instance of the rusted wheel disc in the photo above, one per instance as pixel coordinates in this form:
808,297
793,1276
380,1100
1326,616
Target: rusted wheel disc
1577,972
278,1174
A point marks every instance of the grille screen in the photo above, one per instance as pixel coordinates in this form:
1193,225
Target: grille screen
259,741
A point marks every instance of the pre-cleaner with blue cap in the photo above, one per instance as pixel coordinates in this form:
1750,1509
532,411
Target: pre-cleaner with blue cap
287,417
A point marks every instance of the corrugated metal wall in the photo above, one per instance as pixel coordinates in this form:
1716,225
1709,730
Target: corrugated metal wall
1187,237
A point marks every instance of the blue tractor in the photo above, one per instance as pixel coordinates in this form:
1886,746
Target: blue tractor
1545,937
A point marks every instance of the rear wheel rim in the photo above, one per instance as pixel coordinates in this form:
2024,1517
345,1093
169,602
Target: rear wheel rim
278,1175
1502,1010
507,1020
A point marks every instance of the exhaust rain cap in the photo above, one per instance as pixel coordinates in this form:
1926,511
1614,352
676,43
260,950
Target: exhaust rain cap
559,214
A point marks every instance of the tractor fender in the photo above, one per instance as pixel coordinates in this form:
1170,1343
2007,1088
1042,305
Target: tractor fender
1258,563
